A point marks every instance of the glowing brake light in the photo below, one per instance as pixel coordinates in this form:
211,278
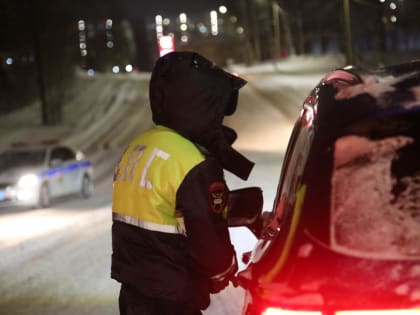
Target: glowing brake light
278,311
383,312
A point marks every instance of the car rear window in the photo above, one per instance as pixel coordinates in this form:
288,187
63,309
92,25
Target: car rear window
21,158
375,189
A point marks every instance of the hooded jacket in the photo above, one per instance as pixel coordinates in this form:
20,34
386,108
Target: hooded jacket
189,97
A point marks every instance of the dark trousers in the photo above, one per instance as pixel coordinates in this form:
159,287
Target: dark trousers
132,302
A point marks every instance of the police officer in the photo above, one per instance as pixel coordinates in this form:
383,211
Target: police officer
171,246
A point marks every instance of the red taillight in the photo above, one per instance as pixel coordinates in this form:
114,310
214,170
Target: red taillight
279,311
380,312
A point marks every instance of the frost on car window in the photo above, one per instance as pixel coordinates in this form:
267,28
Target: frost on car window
374,212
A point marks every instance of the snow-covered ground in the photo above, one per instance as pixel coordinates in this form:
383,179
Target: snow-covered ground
106,110
101,115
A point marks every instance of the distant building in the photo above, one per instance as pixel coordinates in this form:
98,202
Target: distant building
106,45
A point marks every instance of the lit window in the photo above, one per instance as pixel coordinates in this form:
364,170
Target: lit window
158,19
115,69
214,23
128,68
108,24
183,18
81,25
278,311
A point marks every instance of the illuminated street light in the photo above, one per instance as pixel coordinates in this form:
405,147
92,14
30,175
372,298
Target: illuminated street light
392,6
381,1
82,37
182,18
183,22
9,61
184,38
202,28
222,9
81,25
166,21
393,19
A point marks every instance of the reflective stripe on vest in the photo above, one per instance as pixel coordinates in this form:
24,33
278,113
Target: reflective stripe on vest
148,176
165,228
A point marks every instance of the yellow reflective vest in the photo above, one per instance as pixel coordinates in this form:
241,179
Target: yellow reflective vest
148,176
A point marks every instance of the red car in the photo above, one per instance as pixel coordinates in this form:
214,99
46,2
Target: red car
343,237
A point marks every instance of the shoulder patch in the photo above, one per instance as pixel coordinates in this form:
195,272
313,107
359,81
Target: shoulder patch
218,196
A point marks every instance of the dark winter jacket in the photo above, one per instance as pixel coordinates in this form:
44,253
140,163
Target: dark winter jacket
189,95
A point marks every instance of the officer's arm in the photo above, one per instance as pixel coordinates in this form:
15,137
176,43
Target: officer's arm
202,198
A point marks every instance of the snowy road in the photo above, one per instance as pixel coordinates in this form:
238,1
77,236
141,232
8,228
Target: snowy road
57,260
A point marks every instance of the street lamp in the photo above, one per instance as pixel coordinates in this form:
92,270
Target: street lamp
347,23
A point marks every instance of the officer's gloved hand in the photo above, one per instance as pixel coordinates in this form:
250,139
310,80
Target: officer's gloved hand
217,284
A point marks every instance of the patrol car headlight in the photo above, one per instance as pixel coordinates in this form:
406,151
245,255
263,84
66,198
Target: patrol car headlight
28,181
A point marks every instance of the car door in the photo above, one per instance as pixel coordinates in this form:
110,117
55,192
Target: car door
71,171
55,173
289,188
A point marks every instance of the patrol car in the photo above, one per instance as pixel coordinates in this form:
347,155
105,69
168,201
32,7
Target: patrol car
33,174
343,237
